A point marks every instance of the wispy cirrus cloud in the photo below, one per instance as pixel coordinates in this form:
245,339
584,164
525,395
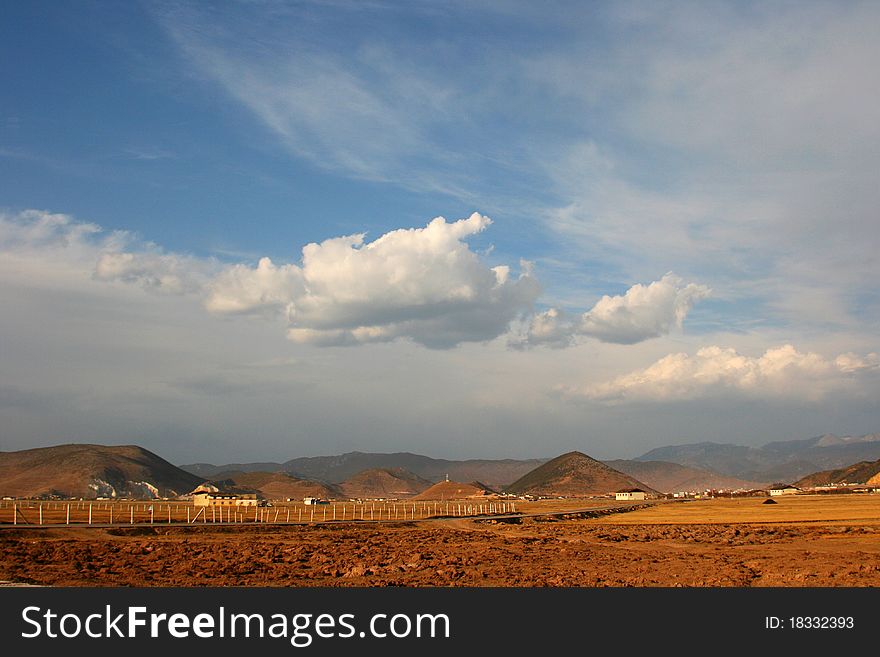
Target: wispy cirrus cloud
743,148
369,108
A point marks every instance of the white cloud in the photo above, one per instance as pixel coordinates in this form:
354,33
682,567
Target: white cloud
551,328
38,228
170,273
44,243
643,312
265,289
781,372
762,146
419,283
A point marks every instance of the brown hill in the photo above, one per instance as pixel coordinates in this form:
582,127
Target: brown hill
574,475
91,471
384,482
275,485
455,490
858,473
672,477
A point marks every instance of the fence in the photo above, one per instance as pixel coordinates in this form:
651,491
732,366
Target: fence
44,513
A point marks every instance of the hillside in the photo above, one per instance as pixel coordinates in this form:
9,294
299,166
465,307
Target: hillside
211,471
337,469
858,473
455,490
496,472
672,477
91,471
574,475
275,485
776,461
384,482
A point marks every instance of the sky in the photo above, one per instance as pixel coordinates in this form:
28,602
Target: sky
259,230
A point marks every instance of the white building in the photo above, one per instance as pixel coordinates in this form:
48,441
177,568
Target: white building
628,494
225,499
783,489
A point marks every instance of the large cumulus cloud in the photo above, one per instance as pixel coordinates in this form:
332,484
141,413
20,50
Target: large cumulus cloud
643,312
425,284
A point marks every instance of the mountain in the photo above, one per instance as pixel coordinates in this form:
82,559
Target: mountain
572,475
337,469
499,473
455,490
858,473
672,477
776,461
210,471
91,471
384,482
275,485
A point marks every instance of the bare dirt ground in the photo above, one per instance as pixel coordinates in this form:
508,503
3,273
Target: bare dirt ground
812,541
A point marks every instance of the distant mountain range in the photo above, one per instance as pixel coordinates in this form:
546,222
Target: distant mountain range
783,461
497,474
90,471
336,469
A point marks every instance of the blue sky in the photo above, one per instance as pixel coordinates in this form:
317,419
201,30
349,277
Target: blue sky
675,233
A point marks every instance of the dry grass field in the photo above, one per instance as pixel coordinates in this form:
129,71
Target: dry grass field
825,509
801,541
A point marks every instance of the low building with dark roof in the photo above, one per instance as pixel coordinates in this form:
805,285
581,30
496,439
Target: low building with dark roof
783,489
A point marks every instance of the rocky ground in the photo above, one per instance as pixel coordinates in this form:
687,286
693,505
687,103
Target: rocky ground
449,553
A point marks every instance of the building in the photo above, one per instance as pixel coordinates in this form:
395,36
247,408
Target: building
314,500
225,499
628,494
783,489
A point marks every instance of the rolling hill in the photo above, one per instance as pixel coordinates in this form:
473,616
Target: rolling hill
858,473
574,475
337,469
384,482
672,477
455,490
91,471
275,485
662,476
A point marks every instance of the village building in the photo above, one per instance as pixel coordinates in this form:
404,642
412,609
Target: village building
628,494
225,499
783,489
